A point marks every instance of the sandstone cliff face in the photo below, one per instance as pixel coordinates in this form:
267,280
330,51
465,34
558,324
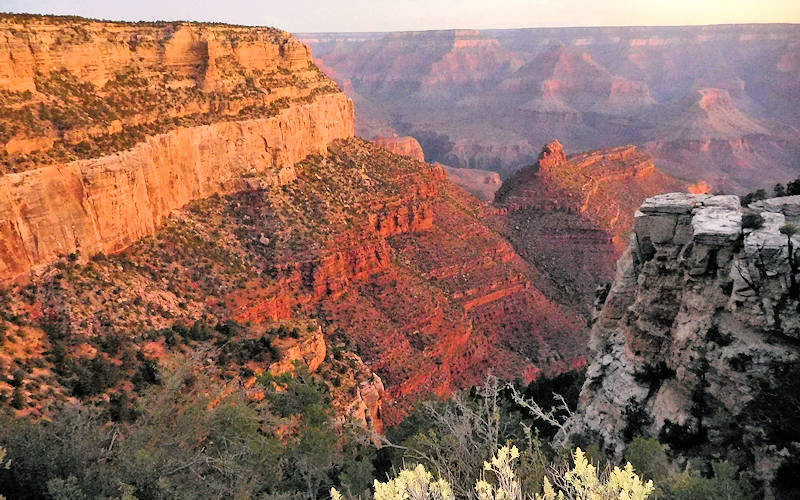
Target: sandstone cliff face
406,146
697,340
309,350
239,108
105,204
96,50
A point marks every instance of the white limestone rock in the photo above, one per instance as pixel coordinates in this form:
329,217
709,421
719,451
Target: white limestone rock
716,225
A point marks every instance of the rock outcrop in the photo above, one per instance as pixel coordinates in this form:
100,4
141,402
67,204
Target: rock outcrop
552,156
239,108
607,184
697,342
356,391
308,349
406,146
570,216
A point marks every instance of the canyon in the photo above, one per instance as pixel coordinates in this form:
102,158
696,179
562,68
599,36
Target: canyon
207,232
238,204
481,183
714,104
400,267
239,224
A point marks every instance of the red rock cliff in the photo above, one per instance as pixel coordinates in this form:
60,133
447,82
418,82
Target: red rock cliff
571,217
110,198
406,146
606,185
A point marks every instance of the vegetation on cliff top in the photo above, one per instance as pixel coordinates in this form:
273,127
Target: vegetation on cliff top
67,115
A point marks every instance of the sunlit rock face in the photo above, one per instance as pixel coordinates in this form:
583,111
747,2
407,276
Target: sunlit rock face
697,340
111,126
400,267
406,146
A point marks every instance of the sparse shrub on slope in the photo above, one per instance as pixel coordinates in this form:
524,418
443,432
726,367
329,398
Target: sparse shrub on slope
193,436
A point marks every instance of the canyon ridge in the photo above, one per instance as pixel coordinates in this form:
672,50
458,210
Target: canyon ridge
714,104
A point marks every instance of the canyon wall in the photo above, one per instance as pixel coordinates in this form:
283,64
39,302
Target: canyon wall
606,185
697,342
105,204
97,50
70,188
481,183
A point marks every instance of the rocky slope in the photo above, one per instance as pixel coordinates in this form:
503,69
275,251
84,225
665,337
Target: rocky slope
399,266
591,87
110,126
697,342
569,216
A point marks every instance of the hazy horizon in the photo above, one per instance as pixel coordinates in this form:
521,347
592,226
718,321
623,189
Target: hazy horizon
306,16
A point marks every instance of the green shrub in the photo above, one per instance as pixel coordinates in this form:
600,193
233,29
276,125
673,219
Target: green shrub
723,484
648,457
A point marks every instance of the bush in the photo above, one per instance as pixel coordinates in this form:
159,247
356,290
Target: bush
648,457
752,220
94,376
793,188
723,484
18,399
193,437
499,481
637,420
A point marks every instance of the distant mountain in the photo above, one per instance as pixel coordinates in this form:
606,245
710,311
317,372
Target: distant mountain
711,103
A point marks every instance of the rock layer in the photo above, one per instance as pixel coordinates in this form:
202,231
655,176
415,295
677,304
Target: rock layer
607,184
697,342
105,204
108,127
402,267
710,103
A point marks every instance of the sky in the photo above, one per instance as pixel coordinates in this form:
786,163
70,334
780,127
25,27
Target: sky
401,15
